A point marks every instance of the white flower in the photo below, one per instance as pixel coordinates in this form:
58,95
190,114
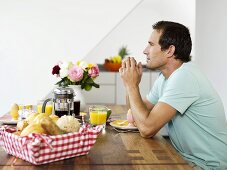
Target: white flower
64,68
63,72
83,65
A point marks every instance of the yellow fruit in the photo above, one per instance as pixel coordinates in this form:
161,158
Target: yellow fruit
116,59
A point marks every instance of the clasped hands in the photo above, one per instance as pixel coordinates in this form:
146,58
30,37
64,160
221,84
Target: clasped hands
131,72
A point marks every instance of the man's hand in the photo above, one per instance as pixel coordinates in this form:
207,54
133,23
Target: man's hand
131,73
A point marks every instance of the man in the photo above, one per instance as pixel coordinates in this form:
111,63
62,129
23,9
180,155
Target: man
181,96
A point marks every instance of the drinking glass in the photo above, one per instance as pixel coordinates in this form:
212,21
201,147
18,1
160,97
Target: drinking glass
48,109
98,115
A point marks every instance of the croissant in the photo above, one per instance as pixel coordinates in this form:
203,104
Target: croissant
33,128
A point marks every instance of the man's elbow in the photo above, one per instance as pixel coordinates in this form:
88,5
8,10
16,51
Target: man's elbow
147,133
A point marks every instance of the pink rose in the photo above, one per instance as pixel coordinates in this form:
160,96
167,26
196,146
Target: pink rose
75,73
94,71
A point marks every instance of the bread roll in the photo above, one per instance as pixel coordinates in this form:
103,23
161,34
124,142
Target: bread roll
51,127
54,118
33,128
22,124
31,117
68,124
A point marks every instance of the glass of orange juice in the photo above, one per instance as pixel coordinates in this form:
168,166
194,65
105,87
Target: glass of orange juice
48,109
98,115
23,106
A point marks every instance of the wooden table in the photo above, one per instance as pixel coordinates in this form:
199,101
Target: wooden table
114,150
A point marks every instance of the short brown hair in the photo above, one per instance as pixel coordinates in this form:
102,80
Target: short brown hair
175,34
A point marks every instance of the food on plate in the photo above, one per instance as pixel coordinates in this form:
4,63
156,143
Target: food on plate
120,123
123,123
33,128
21,125
68,124
14,111
54,118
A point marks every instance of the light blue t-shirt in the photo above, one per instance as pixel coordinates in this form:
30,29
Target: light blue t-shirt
199,129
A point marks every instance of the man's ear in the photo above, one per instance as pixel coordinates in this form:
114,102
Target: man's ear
170,51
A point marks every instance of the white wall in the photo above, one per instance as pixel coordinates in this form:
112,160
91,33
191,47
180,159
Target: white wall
36,34
135,29
210,48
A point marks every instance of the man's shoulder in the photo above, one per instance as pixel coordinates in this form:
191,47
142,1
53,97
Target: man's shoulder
187,71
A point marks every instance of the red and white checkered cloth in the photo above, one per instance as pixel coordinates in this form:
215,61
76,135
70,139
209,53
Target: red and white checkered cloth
41,149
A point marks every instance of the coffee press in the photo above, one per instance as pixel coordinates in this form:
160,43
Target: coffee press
63,102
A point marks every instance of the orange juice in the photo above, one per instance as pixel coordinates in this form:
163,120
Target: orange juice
48,109
29,107
98,118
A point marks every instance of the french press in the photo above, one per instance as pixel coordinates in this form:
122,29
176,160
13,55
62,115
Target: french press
62,101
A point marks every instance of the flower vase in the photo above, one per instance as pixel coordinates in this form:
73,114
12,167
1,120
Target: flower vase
78,96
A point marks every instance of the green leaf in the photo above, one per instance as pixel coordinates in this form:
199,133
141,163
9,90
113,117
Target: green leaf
123,52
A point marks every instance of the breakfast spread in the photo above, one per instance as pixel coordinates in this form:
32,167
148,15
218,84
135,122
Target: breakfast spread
41,123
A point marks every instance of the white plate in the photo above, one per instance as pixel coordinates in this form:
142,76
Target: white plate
122,124
9,122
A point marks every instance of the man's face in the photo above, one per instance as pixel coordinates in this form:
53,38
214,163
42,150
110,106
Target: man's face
156,59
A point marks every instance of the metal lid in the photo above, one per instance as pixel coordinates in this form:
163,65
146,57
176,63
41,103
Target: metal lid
63,90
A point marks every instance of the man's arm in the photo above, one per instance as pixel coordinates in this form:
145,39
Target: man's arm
148,104
149,119
149,122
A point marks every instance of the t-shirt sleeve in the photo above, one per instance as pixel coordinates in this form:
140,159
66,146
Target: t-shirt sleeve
182,90
153,95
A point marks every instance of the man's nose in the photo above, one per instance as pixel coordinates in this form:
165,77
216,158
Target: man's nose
145,51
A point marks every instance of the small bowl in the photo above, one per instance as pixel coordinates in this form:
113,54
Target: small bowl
112,66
